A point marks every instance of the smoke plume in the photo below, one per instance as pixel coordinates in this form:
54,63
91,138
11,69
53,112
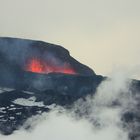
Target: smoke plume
97,117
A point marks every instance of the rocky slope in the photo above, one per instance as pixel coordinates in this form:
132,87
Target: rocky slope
35,75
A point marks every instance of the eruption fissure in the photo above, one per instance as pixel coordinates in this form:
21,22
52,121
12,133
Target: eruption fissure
39,66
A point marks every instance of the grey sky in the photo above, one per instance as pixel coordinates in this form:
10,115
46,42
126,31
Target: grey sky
100,33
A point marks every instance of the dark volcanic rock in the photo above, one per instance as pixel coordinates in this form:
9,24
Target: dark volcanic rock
59,71
62,80
19,51
17,54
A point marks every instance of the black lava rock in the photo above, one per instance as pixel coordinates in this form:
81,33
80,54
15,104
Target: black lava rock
27,92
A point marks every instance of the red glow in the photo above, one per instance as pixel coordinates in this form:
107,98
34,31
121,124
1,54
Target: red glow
38,66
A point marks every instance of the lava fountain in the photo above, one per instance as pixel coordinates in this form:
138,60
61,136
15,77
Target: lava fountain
39,66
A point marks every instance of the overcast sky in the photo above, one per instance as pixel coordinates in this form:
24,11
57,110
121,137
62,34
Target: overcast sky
103,34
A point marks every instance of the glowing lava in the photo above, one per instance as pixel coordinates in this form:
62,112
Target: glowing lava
38,66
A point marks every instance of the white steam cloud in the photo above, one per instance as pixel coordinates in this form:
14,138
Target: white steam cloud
99,117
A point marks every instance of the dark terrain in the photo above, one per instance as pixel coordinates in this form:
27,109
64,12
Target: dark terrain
35,75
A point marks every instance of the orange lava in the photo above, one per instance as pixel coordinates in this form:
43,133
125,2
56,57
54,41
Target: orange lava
38,66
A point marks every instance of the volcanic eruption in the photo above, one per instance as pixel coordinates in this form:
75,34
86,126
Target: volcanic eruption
37,65
47,71
39,57
35,75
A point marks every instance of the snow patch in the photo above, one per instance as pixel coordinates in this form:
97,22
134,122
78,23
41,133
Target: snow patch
28,102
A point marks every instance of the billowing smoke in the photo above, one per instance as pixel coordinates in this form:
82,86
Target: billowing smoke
97,117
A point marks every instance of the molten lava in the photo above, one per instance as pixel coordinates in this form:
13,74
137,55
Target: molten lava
39,66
